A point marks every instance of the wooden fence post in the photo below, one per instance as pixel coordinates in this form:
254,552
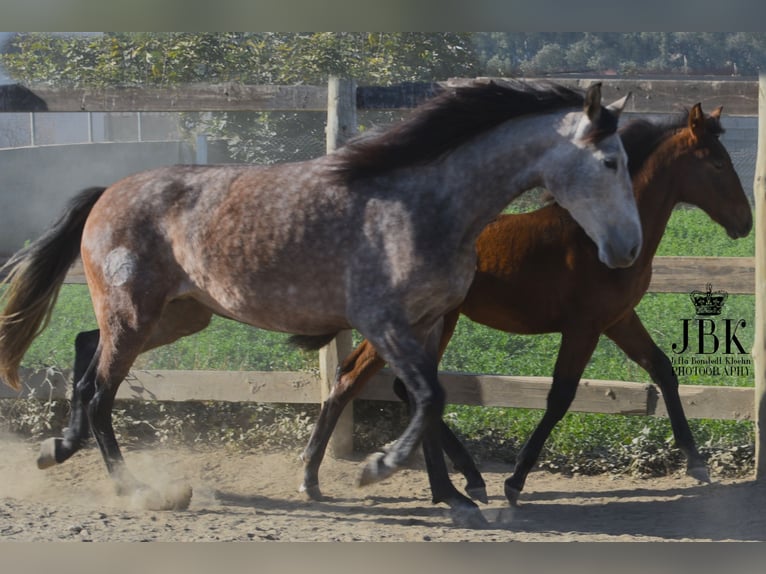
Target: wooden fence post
341,124
759,344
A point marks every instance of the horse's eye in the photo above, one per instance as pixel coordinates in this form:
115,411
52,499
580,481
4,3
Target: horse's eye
610,162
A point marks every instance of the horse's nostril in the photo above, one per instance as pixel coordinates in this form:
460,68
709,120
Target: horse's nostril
635,250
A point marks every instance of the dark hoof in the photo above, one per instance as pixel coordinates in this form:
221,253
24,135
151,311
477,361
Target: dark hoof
48,449
477,493
464,516
311,492
512,494
699,472
374,470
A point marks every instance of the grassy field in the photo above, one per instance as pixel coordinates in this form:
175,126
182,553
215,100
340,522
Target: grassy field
583,441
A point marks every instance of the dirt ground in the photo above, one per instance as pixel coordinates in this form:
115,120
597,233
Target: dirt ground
254,497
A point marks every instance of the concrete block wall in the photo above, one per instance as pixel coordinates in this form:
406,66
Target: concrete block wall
36,182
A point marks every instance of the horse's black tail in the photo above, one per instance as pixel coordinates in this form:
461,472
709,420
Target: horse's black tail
34,276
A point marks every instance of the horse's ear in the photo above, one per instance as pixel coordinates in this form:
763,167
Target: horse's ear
592,106
617,106
716,113
697,121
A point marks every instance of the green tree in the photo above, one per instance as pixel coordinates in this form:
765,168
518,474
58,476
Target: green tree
250,57
626,53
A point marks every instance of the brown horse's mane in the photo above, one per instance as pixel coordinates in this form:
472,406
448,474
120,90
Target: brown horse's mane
640,137
450,119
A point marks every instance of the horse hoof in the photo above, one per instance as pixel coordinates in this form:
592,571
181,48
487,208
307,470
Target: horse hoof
468,517
477,493
512,494
311,492
375,469
47,456
699,472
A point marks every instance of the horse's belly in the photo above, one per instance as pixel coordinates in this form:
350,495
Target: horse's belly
283,307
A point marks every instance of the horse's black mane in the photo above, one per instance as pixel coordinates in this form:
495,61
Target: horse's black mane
640,137
449,119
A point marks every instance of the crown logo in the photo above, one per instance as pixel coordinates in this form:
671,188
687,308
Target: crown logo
709,302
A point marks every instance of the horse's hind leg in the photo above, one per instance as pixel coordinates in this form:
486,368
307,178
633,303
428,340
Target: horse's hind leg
161,324
461,459
117,351
353,373
76,434
130,325
180,317
631,336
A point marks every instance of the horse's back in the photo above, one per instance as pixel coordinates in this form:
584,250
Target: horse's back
250,242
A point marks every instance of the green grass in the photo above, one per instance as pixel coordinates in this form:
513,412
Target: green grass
474,348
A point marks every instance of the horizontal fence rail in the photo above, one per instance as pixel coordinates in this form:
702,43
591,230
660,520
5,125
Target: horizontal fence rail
593,395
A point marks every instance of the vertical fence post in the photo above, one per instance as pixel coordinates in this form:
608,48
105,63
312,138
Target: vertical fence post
759,344
341,124
32,139
89,117
200,150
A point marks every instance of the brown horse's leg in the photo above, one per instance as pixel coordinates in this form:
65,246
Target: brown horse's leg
574,353
357,368
631,336
76,434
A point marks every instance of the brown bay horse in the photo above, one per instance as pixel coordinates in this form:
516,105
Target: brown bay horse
539,273
378,236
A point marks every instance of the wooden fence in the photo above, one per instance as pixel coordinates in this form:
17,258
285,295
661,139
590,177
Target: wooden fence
341,99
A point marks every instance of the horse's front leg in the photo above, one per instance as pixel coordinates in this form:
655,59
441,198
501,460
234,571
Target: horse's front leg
632,337
453,448
416,365
574,353
461,459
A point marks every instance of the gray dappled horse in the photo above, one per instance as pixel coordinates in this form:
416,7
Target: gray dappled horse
378,236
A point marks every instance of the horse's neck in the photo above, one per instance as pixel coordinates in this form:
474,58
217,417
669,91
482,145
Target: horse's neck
479,180
656,196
